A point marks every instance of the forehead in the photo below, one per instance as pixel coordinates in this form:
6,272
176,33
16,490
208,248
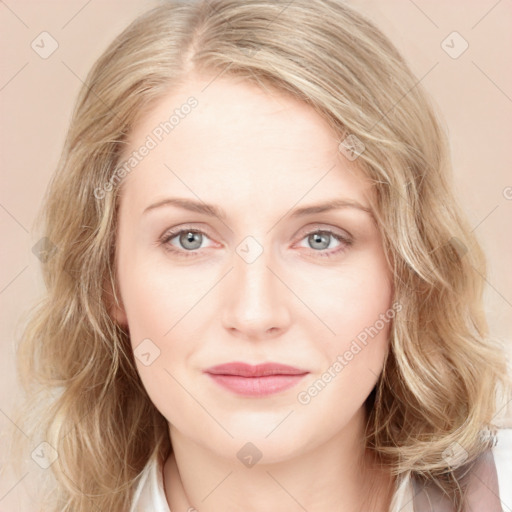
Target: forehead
254,142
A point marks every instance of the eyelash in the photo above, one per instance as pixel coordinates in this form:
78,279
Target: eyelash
169,235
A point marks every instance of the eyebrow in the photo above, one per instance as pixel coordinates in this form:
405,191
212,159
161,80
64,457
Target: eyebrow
215,211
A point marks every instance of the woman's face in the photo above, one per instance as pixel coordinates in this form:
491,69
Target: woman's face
259,281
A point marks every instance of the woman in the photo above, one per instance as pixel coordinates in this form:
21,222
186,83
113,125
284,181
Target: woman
262,294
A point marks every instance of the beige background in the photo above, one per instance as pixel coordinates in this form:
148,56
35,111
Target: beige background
473,91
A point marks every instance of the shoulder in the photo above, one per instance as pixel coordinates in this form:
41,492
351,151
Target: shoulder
502,454
149,495
489,484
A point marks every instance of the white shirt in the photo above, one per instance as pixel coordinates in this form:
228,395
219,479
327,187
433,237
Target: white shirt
150,494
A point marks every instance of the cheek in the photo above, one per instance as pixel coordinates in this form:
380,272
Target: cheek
352,299
157,297
365,310
160,303
357,306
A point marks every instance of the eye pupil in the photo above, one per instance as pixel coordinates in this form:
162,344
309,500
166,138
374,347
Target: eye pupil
189,237
322,239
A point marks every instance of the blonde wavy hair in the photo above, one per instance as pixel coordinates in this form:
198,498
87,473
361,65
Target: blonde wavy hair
440,378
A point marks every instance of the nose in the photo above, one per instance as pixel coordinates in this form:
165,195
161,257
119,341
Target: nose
256,305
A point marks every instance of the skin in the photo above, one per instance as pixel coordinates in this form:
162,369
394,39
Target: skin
258,155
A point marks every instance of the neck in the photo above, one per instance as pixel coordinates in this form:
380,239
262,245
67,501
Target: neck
335,475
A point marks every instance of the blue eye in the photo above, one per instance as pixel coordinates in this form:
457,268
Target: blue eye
189,239
320,240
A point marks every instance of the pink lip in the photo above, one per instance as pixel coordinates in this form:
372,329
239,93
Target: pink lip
260,380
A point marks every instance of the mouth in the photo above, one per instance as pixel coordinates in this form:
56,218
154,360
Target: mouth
259,380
